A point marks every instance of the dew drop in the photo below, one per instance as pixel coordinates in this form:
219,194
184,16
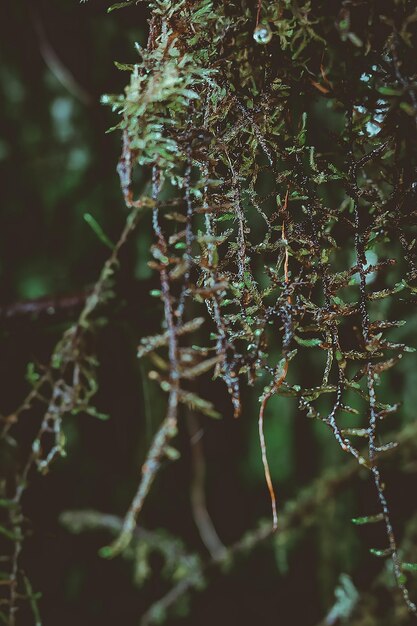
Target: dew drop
262,34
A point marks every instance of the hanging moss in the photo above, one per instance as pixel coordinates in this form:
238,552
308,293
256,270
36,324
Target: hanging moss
278,140
221,102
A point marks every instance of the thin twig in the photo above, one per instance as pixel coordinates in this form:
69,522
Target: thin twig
201,515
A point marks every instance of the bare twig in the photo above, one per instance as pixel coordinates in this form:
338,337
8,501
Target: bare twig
201,515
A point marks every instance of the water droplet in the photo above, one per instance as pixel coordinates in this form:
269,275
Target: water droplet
262,34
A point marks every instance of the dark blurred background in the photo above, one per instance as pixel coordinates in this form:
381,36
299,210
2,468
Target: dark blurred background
57,163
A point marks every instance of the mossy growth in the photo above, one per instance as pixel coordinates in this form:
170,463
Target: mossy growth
278,141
